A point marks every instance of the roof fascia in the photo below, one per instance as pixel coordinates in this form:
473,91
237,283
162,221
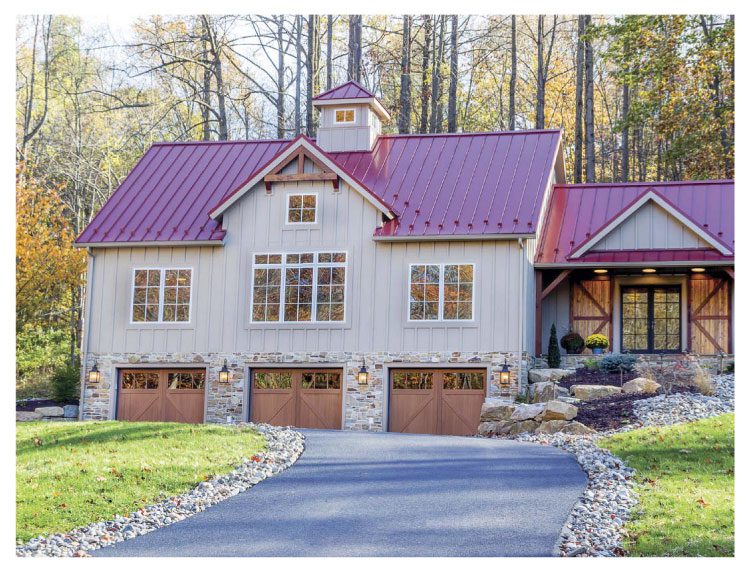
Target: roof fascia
481,237
636,264
116,244
372,101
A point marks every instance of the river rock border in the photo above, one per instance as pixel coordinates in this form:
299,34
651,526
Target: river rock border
283,448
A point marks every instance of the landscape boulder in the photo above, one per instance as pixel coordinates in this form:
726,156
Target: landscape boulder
589,392
542,391
576,428
70,411
537,375
641,385
496,409
525,411
559,411
489,428
50,411
550,427
25,416
528,426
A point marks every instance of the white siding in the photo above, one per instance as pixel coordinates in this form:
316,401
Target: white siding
360,135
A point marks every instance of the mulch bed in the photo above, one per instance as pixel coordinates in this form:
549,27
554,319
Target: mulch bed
595,377
26,405
609,412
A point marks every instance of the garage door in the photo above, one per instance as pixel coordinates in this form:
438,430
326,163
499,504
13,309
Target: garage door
436,401
299,398
175,395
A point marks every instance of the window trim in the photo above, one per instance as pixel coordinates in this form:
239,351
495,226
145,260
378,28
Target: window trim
344,109
441,291
161,322
296,223
314,306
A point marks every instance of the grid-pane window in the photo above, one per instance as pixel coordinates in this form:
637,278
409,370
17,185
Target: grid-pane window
139,380
345,115
186,380
441,292
161,295
302,208
299,287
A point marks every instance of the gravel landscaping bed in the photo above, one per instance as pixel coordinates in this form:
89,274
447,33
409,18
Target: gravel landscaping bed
284,446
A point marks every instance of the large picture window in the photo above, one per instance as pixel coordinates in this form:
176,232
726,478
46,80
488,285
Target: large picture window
161,295
441,292
299,287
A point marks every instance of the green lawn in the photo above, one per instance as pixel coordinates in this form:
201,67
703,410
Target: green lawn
72,474
686,477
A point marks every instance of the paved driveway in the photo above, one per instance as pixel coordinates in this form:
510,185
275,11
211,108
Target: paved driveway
387,494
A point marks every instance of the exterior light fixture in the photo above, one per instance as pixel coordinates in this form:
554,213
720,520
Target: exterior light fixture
95,375
224,373
362,375
698,270
601,271
505,375
649,270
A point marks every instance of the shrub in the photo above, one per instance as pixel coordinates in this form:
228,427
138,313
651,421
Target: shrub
597,341
553,350
591,364
703,381
65,384
572,342
612,363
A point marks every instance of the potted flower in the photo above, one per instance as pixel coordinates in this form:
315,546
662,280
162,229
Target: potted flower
572,342
597,343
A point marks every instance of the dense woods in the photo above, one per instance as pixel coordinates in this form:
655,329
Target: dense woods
638,97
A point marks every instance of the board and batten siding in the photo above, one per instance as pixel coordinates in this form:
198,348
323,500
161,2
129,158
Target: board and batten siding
376,290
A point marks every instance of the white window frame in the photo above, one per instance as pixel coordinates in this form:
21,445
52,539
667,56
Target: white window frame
353,121
162,278
296,223
441,293
283,266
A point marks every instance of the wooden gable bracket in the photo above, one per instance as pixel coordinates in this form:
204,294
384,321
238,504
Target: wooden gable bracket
300,175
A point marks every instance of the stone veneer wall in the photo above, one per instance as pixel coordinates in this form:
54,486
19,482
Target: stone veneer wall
363,404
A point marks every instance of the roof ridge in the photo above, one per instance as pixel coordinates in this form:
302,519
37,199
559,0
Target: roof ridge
197,142
459,134
647,184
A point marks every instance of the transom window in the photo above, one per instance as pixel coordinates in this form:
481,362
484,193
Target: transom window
441,292
139,380
344,116
302,208
186,379
299,287
161,295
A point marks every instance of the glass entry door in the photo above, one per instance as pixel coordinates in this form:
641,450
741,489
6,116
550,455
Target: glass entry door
651,319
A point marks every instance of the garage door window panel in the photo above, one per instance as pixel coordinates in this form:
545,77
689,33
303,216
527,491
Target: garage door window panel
463,380
321,380
139,380
186,380
272,380
412,380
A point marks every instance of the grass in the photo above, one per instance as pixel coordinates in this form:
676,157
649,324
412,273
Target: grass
686,477
72,474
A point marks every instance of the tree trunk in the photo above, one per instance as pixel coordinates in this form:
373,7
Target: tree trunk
329,54
425,91
437,42
298,76
206,91
453,88
578,146
216,68
439,128
354,62
281,87
404,118
625,131
513,75
540,76
311,67
589,106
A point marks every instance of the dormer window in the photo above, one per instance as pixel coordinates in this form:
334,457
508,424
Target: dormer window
344,116
302,208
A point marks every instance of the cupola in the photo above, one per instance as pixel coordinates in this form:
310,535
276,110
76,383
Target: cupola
350,118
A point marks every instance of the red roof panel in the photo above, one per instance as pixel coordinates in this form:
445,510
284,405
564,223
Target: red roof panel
349,90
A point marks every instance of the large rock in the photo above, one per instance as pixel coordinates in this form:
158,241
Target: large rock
524,412
589,392
496,409
641,385
542,391
523,427
25,416
559,411
537,375
550,427
70,411
50,411
489,428
576,428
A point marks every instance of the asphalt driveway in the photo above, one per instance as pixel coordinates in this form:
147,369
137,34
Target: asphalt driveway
387,495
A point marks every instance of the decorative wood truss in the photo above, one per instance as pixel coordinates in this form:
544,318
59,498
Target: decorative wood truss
300,175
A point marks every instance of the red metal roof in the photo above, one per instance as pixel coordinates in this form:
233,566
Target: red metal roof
438,185
577,212
349,90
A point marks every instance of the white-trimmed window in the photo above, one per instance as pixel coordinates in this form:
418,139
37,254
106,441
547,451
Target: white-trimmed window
344,116
299,287
302,208
441,291
161,295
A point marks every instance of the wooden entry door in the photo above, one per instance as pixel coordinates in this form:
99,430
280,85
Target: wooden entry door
651,319
173,395
436,401
298,398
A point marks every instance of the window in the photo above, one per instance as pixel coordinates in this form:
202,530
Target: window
272,380
186,380
412,380
139,380
161,295
441,292
343,116
301,208
299,287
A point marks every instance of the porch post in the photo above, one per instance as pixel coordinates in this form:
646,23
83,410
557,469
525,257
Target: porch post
538,313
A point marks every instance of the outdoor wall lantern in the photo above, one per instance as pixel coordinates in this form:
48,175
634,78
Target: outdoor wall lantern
224,373
505,375
362,375
95,375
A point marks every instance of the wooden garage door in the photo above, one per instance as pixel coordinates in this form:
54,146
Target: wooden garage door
436,401
299,398
174,395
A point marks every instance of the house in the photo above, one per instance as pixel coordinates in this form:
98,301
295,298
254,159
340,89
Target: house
381,282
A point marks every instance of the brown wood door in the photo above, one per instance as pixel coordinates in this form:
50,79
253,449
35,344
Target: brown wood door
710,314
591,307
438,402
161,395
298,398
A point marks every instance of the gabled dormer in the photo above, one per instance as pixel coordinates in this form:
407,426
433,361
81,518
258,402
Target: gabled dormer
350,118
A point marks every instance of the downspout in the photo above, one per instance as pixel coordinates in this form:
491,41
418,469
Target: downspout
521,304
87,329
